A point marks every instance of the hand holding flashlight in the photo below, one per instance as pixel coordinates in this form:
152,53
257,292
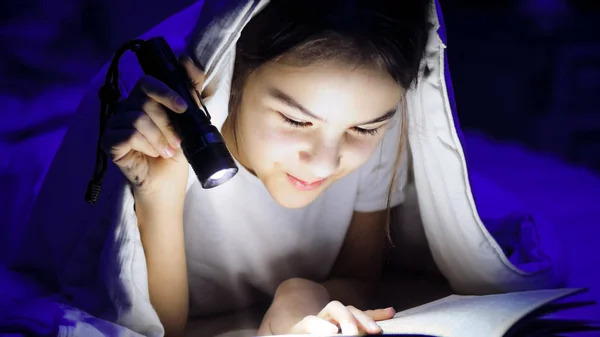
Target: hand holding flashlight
141,141
163,114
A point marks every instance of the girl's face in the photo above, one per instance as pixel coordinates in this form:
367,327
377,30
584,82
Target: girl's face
300,129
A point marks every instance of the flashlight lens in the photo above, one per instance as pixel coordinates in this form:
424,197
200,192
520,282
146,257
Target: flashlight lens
209,157
220,177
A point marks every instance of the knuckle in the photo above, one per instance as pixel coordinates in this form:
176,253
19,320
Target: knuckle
148,104
142,121
135,138
197,77
151,86
334,306
142,87
309,318
161,117
157,139
162,141
335,303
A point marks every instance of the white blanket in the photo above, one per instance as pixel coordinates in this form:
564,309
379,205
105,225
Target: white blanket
91,255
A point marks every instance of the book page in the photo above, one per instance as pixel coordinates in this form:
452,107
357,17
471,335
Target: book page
471,316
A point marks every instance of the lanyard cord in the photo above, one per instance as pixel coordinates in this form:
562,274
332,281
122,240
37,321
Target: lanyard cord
109,95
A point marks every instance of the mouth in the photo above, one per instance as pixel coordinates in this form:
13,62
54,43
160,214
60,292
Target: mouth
303,185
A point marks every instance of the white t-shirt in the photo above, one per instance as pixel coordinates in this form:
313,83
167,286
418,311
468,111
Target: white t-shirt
241,244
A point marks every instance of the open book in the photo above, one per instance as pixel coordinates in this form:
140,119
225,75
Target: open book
519,314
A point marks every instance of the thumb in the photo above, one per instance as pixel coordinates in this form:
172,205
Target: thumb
196,75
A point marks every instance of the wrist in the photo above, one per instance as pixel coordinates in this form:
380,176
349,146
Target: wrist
156,196
151,207
301,292
294,299
163,194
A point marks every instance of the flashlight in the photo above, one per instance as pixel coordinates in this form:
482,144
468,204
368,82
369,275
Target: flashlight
201,142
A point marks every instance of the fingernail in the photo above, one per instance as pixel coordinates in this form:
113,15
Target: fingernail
181,103
168,153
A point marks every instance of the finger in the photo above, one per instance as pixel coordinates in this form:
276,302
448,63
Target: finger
118,143
196,75
145,125
161,93
336,312
367,324
143,122
123,119
179,156
315,326
381,314
158,115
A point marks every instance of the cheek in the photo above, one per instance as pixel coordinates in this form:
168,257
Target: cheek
265,139
279,145
358,153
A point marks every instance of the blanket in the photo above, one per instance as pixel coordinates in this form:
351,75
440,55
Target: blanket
482,239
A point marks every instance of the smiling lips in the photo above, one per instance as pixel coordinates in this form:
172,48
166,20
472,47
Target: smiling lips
303,185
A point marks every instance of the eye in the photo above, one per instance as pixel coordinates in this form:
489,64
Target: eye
366,132
293,122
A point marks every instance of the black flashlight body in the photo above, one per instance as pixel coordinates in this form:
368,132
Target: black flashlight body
202,144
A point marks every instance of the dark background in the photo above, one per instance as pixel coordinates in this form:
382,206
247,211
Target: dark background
525,70
526,76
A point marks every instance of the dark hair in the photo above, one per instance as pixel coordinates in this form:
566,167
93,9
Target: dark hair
388,34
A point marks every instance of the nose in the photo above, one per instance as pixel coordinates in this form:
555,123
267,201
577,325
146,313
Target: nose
323,158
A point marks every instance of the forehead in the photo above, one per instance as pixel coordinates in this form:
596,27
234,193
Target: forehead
333,90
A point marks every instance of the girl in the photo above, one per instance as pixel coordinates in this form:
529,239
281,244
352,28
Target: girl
310,97
314,123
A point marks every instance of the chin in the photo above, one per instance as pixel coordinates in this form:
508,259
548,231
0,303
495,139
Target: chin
294,199
294,203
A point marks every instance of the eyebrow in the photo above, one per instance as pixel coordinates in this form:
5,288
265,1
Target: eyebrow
288,100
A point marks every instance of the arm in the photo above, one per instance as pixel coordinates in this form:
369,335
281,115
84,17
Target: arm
360,262
161,229
352,280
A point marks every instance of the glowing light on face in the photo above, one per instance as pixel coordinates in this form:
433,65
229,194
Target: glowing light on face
302,128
